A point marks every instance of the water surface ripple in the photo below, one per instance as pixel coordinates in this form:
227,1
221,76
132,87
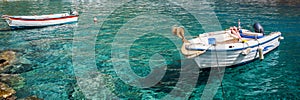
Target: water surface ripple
49,71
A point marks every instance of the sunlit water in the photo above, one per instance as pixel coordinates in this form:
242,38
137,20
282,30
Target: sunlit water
47,53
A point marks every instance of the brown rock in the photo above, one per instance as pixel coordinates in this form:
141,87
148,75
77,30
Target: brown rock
5,91
6,58
32,98
11,98
13,80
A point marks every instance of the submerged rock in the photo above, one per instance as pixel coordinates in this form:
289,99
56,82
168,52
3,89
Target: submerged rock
6,59
31,98
6,92
18,69
7,81
13,80
16,64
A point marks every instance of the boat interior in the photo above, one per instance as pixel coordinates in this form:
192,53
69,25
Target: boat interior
226,37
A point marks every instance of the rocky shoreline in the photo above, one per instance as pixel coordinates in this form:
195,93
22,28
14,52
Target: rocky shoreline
10,82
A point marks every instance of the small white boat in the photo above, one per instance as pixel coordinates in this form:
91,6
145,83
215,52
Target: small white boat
222,48
16,22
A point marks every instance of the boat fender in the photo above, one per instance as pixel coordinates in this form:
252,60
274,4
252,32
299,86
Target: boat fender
260,51
244,41
258,28
246,51
95,19
280,38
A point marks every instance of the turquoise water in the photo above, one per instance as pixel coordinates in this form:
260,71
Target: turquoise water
52,58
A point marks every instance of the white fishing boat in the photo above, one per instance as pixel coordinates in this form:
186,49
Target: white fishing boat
16,22
229,47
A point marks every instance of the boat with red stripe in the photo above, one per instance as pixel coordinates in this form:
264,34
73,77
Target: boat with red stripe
17,22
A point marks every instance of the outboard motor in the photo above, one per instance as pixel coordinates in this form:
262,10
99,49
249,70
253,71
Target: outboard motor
258,28
70,12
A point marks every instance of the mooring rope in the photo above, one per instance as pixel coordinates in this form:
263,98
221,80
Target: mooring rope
223,93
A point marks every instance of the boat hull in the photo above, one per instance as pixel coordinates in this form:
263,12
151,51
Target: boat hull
216,57
19,22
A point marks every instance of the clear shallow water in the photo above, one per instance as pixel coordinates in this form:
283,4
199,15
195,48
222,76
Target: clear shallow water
48,66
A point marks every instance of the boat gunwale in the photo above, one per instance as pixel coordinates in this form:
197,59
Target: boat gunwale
236,49
44,19
29,27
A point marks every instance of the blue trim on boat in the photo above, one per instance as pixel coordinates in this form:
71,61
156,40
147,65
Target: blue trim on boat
252,37
243,63
267,47
28,27
200,49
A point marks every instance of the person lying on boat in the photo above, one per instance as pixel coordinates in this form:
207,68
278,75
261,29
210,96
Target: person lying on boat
235,31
